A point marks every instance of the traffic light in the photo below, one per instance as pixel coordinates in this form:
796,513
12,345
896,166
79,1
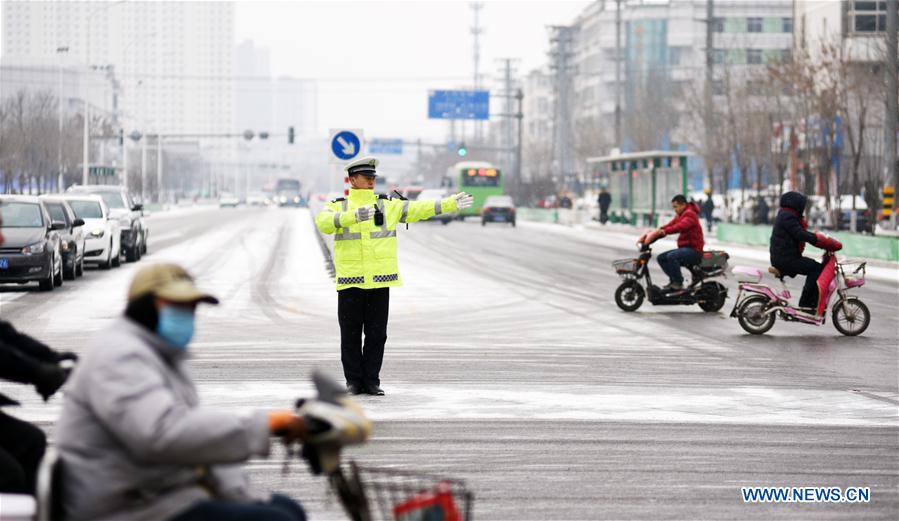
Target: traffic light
888,194
290,135
462,150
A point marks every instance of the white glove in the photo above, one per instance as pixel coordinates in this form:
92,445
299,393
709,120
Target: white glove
463,200
364,213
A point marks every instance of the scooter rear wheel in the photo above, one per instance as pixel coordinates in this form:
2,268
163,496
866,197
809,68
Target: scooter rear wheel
629,295
752,317
714,294
854,319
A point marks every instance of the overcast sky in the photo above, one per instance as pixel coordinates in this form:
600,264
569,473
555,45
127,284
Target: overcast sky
376,60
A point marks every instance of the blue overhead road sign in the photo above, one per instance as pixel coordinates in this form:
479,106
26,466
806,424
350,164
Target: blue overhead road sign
385,146
459,104
345,144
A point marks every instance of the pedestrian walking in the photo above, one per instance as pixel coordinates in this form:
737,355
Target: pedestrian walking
708,210
604,200
27,361
366,266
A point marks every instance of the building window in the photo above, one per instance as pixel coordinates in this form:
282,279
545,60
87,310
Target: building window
788,25
717,56
753,56
674,55
719,25
867,16
735,25
754,25
736,56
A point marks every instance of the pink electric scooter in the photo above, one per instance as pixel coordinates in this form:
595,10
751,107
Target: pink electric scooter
758,305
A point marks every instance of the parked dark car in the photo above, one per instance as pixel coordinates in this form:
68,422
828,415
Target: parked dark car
498,208
71,238
31,250
122,207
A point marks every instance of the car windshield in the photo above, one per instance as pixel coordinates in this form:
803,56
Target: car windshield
21,215
112,199
57,213
87,209
498,201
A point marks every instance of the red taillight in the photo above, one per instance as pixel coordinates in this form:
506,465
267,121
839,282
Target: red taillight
486,209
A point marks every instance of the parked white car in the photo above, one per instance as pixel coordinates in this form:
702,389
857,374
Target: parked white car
102,232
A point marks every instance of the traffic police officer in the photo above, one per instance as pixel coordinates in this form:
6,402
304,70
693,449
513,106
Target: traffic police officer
365,261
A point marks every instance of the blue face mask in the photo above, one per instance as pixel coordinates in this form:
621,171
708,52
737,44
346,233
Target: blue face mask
176,325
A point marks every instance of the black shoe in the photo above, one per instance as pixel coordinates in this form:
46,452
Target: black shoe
353,388
673,286
374,390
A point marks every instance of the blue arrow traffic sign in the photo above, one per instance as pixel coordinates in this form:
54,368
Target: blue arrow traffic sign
345,145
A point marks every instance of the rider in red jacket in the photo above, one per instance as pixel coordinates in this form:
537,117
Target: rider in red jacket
689,243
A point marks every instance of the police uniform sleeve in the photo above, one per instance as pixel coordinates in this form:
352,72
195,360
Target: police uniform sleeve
412,211
332,217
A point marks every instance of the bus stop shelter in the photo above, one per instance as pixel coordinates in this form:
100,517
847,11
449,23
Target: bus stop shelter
642,183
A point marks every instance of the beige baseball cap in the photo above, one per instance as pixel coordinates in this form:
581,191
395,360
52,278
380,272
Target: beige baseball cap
167,281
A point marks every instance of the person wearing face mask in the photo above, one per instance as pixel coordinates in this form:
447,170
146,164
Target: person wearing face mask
133,440
365,261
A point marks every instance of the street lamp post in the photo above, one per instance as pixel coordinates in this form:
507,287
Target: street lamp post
59,180
85,167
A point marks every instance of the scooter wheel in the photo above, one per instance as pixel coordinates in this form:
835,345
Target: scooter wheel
851,316
714,294
752,317
629,296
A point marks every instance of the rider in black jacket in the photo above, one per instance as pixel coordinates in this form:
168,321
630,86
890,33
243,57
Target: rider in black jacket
27,361
788,240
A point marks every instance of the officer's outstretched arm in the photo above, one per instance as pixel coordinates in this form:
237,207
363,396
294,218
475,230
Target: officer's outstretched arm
413,211
330,219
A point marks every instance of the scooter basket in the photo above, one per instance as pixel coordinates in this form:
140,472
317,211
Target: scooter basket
395,495
625,266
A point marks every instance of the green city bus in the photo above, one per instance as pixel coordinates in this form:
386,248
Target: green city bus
478,178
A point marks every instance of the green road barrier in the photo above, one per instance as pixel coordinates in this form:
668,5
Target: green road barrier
543,215
854,244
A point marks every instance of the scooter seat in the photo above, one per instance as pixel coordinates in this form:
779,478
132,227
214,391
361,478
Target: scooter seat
746,273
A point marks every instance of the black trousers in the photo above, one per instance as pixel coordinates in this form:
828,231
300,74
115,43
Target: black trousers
811,269
362,311
22,446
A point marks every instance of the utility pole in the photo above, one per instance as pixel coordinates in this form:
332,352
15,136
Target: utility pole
560,55
507,71
60,179
159,191
143,169
709,78
519,95
476,31
892,104
618,73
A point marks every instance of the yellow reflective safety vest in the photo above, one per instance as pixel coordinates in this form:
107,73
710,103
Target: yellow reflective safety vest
364,253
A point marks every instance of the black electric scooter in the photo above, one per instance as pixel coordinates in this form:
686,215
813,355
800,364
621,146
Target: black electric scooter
710,295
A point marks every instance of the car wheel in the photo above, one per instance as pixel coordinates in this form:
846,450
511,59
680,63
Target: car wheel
57,279
513,223
80,271
138,252
47,283
131,253
143,244
109,259
117,260
72,273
